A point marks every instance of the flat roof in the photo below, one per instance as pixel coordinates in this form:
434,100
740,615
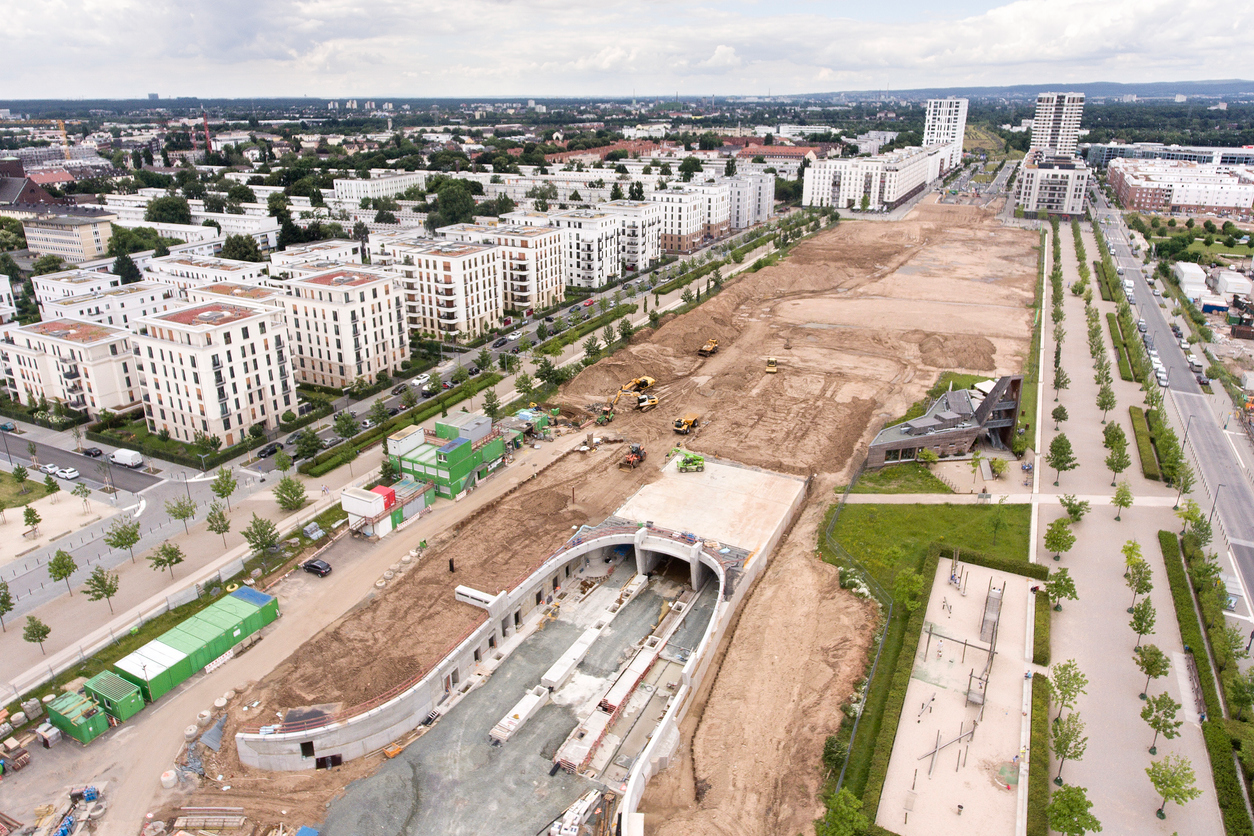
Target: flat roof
210,314
246,291
208,261
68,220
72,330
78,277
342,277
450,248
113,292
503,229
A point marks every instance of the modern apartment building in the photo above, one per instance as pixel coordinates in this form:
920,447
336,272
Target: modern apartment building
335,250
1057,122
215,368
639,231
453,289
84,365
187,271
386,186
116,306
67,283
591,246
752,199
1054,184
73,238
533,261
346,324
715,202
254,294
1100,154
878,183
946,124
1172,186
683,219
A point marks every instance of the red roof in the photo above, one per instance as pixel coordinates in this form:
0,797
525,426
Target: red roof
792,152
52,175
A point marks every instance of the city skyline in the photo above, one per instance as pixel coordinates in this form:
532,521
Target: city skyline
337,48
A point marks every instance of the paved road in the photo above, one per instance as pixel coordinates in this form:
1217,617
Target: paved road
123,478
1221,469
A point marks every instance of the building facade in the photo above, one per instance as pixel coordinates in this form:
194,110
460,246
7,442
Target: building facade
533,261
118,306
83,365
591,246
72,238
946,124
51,286
639,231
1055,185
683,220
387,186
1182,187
452,289
752,199
876,184
1057,122
186,271
216,368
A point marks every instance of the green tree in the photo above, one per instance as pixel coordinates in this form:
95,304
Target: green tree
167,556
460,376
1174,780
181,509
379,413
123,534
1122,499
6,604
1139,578
1061,381
1143,618
124,267
241,248
61,567
408,399
843,816
484,359
282,461
1068,812
218,521
1106,400
1152,662
906,589
308,444
83,493
290,494
1239,690
51,487
591,347
1058,537
36,632
1117,462
101,584
491,404
239,193
1067,683
686,297
1075,508
927,457
346,425
168,210
261,534
1229,644
20,475
1059,415
1160,712
46,264
1060,586
1069,741
625,330
607,335
1060,456
525,384
223,485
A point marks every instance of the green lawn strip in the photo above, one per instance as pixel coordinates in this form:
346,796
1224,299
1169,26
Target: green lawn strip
1144,446
1040,636
1121,349
10,496
907,477
1038,757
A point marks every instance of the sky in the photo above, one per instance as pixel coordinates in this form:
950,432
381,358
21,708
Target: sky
538,48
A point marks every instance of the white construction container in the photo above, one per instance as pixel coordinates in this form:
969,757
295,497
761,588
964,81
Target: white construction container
522,711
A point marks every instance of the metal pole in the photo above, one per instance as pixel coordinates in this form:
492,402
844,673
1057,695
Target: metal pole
1214,503
1188,425
6,447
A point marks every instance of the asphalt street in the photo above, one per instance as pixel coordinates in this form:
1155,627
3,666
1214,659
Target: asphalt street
94,471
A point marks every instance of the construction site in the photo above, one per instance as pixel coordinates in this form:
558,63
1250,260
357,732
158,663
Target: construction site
811,357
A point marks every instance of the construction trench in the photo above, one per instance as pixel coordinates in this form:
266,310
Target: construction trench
861,318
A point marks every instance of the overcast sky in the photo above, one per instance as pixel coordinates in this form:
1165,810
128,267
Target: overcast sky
423,48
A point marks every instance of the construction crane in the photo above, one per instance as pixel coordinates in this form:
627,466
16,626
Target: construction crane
60,123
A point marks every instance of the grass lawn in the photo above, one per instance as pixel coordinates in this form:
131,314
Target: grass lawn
9,490
886,538
908,477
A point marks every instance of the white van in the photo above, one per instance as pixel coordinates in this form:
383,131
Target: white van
127,458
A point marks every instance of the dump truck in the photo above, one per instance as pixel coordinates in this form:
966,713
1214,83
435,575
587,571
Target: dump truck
710,347
771,365
639,384
687,423
635,456
691,463
646,402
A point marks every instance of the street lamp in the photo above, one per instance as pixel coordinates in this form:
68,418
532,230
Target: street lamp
1187,426
202,461
5,435
1213,503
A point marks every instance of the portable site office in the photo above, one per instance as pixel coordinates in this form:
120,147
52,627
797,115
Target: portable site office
78,716
156,668
120,699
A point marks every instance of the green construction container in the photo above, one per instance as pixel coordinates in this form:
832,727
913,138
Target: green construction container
78,717
120,699
193,640
267,605
156,668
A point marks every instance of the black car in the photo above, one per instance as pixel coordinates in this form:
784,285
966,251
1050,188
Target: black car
93,452
429,390
269,450
392,410
400,389
574,309
502,341
317,567
548,319
474,370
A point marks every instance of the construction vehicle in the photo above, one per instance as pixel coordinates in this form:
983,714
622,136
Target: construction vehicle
635,456
606,417
771,365
710,347
687,424
646,402
691,463
639,384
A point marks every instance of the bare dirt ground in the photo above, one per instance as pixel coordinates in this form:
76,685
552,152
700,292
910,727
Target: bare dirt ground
862,319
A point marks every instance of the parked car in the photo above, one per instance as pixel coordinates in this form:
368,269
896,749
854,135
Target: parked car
49,468
269,450
331,442
127,458
367,424
1141,326
430,390
1203,379
588,303
500,342
317,567
67,473
8,427
93,452
421,379
474,370
517,335
574,309
400,389
448,384
393,410
548,319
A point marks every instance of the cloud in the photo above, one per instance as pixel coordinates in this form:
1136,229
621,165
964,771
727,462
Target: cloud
420,48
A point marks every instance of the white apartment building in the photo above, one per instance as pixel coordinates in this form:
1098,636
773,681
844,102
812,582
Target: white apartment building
254,294
8,306
117,306
84,365
67,283
752,199
683,219
1056,185
533,261
216,368
639,231
335,250
591,246
715,207
74,238
877,184
527,217
1182,187
453,289
388,185
346,324
188,271
946,124
1057,122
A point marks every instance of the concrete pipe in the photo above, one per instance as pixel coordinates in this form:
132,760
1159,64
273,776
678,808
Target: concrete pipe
219,704
395,567
228,696
202,719
388,575
97,810
191,732
380,583
405,558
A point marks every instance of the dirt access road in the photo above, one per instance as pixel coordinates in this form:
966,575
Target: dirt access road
862,319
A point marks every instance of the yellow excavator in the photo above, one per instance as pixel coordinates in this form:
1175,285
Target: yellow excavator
646,402
639,384
710,347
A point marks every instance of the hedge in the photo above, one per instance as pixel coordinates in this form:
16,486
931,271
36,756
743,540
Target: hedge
1040,635
1227,782
1144,447
1038,759
998,564
1103,286
322,410
885,712
162,452
1121,348
20,412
